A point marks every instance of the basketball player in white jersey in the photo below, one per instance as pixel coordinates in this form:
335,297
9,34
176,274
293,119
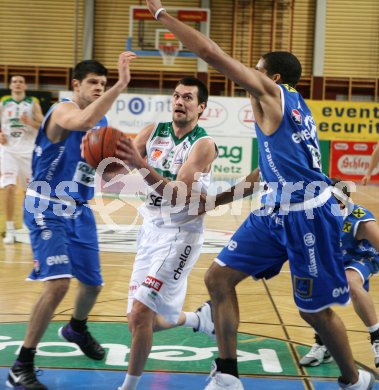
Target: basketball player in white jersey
20,116
178,155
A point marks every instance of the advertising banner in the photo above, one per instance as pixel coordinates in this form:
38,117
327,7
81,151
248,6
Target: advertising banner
231,122
235,156
222,117
233,116
350,160
347,121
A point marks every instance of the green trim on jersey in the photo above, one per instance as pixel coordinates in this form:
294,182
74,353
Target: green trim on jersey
8,98
5,98
166,174
165,129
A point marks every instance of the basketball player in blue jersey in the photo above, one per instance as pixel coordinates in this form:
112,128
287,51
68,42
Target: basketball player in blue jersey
360,248
62,226
299,222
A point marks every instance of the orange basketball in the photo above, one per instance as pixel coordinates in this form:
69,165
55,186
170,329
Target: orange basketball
100,144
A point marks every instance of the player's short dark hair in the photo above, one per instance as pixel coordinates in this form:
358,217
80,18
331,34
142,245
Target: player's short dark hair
83,68
284,63
202,95
342,186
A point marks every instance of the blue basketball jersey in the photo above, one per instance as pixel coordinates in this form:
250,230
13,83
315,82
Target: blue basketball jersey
352,248
291,156
60,167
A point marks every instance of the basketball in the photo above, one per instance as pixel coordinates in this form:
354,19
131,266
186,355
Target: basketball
100,144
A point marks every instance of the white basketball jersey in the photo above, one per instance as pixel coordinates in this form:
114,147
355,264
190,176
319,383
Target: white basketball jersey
166,154
20,137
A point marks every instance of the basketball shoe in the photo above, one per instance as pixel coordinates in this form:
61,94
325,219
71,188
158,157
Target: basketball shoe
89,346
206,325
10,237
375,348
24,376
366,381
221,381
317,355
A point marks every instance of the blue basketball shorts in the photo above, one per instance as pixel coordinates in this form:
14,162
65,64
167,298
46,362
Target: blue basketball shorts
64,246
264,242
366,267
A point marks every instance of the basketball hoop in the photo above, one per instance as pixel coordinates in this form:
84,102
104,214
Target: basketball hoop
169,53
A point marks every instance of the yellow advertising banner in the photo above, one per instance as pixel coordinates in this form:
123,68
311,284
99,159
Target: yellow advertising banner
347,121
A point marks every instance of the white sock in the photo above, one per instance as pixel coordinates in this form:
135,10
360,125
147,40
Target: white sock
9,225
130,382
192,320
373,328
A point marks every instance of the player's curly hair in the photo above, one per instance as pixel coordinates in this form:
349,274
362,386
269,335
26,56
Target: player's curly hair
284,63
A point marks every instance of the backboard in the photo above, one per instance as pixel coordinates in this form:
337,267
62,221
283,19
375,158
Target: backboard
147,37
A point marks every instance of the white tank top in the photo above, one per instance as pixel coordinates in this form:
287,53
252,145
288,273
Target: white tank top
20,137
166,154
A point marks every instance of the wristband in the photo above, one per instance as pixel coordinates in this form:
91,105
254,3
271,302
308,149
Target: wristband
156,16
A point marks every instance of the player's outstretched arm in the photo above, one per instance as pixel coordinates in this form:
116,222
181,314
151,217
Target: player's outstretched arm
247,186
69,117
373,164
250,79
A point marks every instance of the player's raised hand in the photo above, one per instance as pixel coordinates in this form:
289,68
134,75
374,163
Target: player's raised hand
154,6
366,179
124,66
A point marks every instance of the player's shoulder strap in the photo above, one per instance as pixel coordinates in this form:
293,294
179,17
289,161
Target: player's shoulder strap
34,99
6,98
360,213
162,129
197,133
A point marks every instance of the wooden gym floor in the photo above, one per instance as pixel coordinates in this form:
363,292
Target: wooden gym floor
267,307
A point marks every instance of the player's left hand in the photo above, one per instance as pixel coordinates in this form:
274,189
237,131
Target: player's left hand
127,151
154,6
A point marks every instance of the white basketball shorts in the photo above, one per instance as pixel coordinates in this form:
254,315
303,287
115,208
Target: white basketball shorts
164,259
15,166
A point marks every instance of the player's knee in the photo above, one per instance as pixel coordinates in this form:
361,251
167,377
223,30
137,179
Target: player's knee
210,280
10,188
355,284
58,287
140,318
355,290
313,319
95,290
214,280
